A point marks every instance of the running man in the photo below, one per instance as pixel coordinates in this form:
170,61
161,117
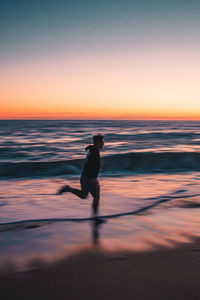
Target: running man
89,182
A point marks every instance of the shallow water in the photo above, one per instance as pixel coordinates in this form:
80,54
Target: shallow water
36,199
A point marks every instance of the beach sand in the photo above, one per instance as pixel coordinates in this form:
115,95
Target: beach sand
94,274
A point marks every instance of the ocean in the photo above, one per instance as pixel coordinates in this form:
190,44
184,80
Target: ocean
150,172
40,149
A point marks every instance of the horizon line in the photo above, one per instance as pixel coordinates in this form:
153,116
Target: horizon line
98,118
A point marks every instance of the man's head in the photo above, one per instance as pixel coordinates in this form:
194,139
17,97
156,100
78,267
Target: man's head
98,140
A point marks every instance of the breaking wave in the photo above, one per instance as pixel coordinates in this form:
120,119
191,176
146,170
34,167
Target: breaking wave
116,164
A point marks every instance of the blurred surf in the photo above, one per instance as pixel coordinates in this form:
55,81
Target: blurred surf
116,164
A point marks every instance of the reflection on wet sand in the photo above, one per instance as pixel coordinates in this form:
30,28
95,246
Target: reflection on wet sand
95,233
96,227
49,242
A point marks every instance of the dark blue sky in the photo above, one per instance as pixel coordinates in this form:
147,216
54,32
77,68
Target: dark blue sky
37,27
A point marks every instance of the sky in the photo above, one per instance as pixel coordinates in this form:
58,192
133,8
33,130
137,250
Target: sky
100,59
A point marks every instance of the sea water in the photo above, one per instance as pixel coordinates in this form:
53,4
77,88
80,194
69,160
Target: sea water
149,185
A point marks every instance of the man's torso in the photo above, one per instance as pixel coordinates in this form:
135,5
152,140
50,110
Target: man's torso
92,163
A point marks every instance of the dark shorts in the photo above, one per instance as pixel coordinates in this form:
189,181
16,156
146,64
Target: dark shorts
90,185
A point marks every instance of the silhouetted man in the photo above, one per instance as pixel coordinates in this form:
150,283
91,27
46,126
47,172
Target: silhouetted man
88,180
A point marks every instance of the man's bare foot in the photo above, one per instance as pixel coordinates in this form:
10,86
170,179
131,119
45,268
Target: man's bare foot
63,189
99,220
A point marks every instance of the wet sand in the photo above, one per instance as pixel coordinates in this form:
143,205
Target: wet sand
94,274
150,255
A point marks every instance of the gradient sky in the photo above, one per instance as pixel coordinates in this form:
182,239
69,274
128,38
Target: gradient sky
100,59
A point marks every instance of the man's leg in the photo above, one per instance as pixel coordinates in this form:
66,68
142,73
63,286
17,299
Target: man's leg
95,205
94,189
63,189
83,193
79,193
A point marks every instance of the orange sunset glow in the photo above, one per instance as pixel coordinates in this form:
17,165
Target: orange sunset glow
144,88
